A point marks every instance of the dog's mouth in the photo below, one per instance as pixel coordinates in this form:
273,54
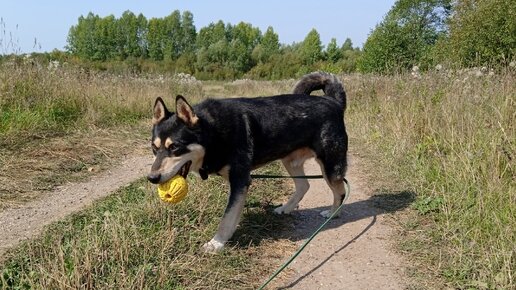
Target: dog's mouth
183,171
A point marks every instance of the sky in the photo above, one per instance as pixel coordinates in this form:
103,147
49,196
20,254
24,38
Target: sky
28,26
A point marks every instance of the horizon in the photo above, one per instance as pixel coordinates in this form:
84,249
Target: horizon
44,27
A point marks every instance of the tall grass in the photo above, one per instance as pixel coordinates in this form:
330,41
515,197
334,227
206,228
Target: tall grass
36,99
451,137
132,240
57,121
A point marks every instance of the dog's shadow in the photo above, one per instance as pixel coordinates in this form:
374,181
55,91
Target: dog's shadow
260,222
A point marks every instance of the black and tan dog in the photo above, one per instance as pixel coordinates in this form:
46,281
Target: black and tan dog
231,137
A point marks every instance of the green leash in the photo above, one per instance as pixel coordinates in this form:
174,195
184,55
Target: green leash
286,176
280,269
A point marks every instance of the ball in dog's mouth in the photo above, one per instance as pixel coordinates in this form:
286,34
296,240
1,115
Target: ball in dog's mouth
175,189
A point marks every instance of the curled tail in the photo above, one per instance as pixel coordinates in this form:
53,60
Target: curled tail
329,83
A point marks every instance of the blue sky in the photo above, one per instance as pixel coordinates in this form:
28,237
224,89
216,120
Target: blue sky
49,21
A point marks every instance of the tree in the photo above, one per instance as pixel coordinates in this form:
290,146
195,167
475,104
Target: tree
347,45
105,38
155,41
405,36
189,33
172,35
142,35
244,38
333,53
211,34
481,33
311,48
127,36
268,46
81,37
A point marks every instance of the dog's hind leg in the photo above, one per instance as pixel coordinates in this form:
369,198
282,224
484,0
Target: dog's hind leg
229,222
301,187
333,172
294,165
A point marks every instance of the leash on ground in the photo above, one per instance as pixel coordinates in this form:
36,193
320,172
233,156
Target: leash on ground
280,269
286,176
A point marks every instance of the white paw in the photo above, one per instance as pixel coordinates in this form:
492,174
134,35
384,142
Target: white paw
213,247
282,210
327,213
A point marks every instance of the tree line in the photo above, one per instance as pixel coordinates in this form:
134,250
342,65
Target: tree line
425,33
455,33
219,50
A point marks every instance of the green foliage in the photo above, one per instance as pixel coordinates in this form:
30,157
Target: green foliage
406,35
268,46
130,29
218,51
333,53
347,45
414,32
131,36
154,39
482,32
311,48
225,50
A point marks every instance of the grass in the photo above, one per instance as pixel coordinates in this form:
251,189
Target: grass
132,240
49,101
128,240
61,125
449,137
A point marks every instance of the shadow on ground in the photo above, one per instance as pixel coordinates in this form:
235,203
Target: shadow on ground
260,223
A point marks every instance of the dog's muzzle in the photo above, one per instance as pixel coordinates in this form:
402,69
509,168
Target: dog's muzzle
155,177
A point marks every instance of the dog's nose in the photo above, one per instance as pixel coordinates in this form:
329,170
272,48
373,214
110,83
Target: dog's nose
154,177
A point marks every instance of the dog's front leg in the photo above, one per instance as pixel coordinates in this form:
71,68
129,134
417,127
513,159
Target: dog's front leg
236,201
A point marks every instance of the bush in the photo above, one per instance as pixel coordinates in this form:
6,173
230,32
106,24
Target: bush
405,37
482,32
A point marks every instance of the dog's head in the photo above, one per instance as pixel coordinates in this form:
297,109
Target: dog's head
175,141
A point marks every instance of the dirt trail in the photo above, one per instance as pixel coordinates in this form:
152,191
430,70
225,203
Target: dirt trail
354,251
18,224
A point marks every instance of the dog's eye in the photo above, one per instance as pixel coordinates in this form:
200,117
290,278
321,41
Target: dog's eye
173,147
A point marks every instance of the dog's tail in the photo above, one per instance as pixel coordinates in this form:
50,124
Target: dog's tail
329,83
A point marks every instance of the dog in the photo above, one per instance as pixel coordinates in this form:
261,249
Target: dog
231,137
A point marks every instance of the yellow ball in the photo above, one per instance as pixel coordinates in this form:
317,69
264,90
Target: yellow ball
174,190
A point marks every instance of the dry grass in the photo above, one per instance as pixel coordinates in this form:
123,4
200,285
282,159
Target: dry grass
129,240
38,101
250,88
450,138
132,241
60,124
31,169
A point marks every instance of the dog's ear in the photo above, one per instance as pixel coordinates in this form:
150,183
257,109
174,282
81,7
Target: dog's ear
185,112
160,111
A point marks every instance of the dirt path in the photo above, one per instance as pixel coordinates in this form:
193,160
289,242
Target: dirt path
18,224
354,252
